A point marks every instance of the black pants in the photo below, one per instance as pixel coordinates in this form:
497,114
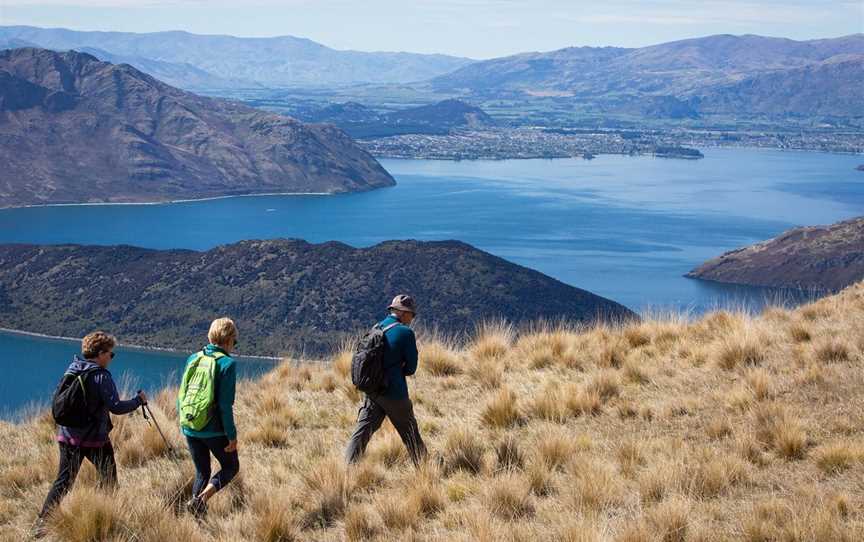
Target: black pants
70,463
229,462
369,419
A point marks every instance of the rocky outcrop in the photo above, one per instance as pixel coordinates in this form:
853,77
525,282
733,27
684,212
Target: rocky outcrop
818,257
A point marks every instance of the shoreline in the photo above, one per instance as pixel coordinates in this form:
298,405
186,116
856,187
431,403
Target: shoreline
166,202
158,349
385,156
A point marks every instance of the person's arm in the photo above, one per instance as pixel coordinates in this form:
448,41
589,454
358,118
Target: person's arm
108,393
227,387
409,352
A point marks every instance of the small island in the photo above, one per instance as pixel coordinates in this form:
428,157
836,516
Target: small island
685,153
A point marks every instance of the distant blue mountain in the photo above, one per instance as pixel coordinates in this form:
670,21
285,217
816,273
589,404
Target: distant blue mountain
715,74
196,61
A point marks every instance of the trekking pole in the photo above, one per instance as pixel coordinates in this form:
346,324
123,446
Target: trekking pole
145,409
176,496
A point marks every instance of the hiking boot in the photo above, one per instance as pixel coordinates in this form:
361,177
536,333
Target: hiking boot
197,507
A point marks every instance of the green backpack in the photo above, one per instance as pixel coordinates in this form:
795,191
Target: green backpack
197,391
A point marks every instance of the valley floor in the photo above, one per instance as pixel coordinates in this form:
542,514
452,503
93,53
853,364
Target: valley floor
730,427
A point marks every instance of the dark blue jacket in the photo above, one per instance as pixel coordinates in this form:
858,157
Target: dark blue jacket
100,385
400,358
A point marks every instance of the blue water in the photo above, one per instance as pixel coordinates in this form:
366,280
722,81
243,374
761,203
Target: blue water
32,367
626,228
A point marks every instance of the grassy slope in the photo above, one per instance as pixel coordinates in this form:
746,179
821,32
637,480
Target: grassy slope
727,428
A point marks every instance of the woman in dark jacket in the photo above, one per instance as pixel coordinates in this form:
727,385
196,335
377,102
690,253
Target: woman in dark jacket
91,441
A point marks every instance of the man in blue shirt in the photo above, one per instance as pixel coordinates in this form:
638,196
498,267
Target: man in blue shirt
400,360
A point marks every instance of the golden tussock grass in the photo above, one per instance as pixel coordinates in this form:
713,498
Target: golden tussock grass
502,410
726,427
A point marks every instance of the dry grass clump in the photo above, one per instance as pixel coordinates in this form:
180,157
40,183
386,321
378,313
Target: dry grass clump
502,410
726,427
554,449
549,405
396,512
832,350
580,401
509,497
710,474
328,490
508,454
361,524
605,384
439,358
740,350
802,518
276,519
838,457
800,333
780,430
463,450
89,514
595,487
492,341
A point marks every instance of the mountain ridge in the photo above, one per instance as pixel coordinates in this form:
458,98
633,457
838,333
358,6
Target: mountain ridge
78,130
286,294
274,61
696,70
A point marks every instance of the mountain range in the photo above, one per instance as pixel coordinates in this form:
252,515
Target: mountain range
284,294
217,61
731,75
75,129
821,258
715,74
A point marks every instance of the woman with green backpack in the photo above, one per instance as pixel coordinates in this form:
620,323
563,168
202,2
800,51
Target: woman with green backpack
205,406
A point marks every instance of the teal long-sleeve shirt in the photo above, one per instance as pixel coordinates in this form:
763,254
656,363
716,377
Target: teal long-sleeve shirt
222,422
400,358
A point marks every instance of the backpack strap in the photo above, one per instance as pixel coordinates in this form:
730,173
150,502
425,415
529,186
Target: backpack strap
82,377
387,328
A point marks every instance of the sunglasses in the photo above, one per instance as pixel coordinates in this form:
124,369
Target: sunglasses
112,355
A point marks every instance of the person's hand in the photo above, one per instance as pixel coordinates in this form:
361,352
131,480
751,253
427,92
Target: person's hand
143,397
232,446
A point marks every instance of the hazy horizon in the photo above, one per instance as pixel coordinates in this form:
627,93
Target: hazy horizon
469,28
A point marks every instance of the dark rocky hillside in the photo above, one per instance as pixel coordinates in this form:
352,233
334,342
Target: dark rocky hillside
284,294
74,129
817,257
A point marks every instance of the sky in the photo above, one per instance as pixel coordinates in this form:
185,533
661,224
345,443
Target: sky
472,28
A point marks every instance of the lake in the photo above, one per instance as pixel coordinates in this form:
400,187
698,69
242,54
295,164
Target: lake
626,228
33,366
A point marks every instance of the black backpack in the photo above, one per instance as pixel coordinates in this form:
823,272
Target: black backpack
367,364
71,405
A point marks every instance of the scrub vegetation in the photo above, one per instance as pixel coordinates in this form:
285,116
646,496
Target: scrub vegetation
727,427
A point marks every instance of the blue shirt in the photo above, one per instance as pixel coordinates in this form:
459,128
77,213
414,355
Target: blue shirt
400,358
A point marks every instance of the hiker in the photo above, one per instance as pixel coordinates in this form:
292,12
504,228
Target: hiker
206,408
399,361
87,435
